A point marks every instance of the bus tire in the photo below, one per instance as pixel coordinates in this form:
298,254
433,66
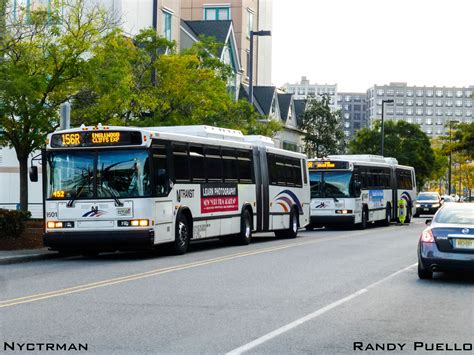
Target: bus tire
364,219
388,215
292,231
408,217
181,239
309,227
245,235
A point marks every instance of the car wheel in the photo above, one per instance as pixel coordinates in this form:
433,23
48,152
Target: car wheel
181,239
423,273
292,230
245,235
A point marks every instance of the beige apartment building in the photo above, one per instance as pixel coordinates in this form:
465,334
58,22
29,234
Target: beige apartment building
246,15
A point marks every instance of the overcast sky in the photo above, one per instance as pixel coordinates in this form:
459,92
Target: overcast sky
359,43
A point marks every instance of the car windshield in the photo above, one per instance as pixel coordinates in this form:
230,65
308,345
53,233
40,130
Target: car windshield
103,174
427,196
330,184
455,216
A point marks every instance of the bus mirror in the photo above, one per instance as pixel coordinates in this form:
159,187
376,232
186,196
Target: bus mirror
160,177
33,173
358,187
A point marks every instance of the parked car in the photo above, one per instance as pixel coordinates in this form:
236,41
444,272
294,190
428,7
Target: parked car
427,203
448,243
447,198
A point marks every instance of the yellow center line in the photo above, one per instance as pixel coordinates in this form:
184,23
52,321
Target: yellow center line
161,271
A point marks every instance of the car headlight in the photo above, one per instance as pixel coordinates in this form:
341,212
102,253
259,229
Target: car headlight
417,205
436,205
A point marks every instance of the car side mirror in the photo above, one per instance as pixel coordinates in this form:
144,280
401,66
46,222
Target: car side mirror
33,173
428,222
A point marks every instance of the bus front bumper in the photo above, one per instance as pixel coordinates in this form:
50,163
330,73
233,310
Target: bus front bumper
333,220
99,240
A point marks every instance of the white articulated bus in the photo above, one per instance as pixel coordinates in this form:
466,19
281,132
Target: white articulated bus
358,189
117,188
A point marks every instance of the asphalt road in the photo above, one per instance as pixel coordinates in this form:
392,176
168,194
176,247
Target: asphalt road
321,293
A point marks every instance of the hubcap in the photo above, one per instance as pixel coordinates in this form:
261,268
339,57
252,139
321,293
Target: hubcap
183,234
295,225
247,228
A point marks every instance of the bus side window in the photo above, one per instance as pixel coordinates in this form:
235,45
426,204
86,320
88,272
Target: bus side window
305,168
245,166
198,169
230,165
181,163
213,164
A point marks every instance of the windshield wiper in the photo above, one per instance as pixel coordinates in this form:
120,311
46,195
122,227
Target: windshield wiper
74,198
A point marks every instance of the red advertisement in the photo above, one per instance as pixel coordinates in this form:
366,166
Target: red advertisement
219,198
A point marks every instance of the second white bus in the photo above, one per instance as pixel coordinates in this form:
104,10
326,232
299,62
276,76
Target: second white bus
360,189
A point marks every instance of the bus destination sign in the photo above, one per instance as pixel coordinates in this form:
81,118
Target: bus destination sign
95,138
327,164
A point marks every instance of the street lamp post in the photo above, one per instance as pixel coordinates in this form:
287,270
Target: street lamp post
450,157
254,33
389,101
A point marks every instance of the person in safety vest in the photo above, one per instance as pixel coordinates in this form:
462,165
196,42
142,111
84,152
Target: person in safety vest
402,210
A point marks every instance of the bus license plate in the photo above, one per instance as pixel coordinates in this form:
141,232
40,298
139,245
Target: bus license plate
464,243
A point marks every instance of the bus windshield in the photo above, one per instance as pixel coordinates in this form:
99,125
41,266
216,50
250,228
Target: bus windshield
102,174
330,184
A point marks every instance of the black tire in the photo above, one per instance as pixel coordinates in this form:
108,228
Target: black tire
364,221
245,235
408,218
388,216
423,273
181,239
416,215
292,231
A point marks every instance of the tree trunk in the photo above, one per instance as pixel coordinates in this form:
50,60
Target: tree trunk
23,182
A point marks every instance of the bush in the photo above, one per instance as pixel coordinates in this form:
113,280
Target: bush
12,222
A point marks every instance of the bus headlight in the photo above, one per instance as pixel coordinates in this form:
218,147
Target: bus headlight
58,224
417,205
134,223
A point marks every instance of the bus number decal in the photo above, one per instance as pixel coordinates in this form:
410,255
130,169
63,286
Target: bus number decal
219,198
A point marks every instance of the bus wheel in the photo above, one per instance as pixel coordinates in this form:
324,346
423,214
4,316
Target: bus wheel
245,235
408,217
365,217
181,240
292,231
388,216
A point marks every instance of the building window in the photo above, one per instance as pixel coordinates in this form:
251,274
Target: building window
409,102
458,103
429,112
410,93
399,102
458,113
400,92
439,112
167,21
419,120
419,111
419,102
217,13
409,111
380,92
249,22
410,120
429,102
429,93
468,103
399,111
347,98
347,116
347,124
439,103
449,93
439,93
459,93
419,93
449,103
390,92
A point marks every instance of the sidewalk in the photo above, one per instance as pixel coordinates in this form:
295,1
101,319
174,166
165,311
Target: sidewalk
22,256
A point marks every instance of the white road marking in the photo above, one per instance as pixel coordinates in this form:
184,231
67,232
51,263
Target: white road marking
263,339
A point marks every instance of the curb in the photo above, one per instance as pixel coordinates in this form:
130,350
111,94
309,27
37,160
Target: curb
26,258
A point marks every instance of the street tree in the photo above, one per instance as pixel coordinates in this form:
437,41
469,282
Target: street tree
44,60
323,134
404,141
